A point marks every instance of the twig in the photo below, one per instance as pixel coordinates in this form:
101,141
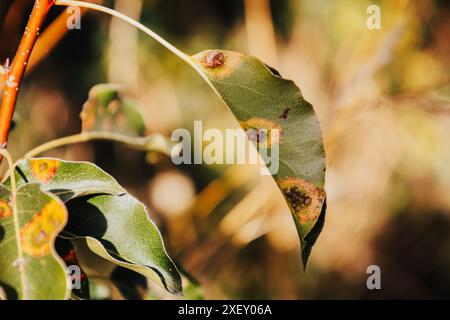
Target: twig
19,64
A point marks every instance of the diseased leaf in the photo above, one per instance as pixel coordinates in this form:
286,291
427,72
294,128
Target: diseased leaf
114,224
118,229
108,110
261,99
29,265
109,115
66,179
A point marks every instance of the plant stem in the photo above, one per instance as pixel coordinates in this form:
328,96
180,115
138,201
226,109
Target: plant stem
139,142
15,73
183,56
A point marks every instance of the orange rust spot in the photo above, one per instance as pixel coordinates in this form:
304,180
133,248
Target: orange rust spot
219,64
213,59
37,235
304,199
44,169
260,131
35,239
5,209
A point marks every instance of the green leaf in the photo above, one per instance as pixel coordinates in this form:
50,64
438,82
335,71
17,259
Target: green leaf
29,265
109,115
66,179
261,99
113,224
108,110
118,229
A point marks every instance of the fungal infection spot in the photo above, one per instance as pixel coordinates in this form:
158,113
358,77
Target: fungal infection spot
219,64
285,113
44,169
5,209
304,199
259,130
38,234
213,59
53,215
35,240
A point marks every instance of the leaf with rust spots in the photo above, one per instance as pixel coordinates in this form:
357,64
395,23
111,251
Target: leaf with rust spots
108,110
66,179
259,97
115,225
29,265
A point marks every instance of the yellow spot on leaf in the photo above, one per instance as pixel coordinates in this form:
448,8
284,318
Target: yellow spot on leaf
5,209
37,235
44,169
262,131
304,199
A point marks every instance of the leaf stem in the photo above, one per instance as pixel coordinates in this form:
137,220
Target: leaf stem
183,56
141,143
20,260
137,24
19,64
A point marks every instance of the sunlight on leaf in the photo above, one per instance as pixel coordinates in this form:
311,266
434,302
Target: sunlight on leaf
114,224
261,99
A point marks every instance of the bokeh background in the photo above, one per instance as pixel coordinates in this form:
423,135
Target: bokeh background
383,100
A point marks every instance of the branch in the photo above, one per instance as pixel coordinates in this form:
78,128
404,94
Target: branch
15,73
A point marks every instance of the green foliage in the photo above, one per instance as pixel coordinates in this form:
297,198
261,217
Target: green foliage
85,208
112,223
29,265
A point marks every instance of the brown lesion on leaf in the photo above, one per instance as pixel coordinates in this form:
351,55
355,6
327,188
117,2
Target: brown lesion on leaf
285,113
5,209
213,59
37,235
219,63
44,169
261,131
304,198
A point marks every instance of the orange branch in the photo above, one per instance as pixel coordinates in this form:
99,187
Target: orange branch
19,64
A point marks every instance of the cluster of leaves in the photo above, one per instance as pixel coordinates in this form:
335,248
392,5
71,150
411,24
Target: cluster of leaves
77,204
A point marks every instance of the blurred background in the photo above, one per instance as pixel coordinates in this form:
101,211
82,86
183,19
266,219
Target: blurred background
382,97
